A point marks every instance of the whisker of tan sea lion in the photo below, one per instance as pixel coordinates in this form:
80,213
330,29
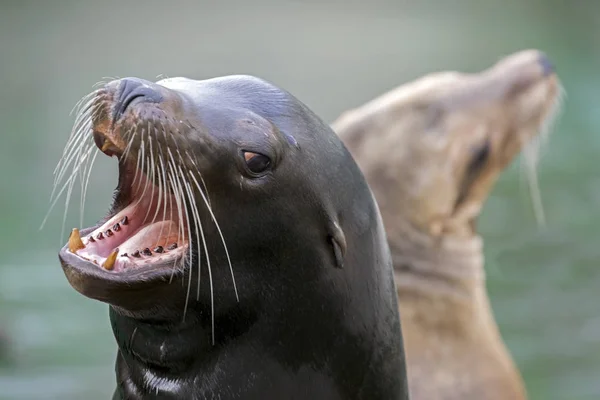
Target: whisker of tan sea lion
532,155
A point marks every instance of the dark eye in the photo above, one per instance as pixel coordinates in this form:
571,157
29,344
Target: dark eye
480,157
256,162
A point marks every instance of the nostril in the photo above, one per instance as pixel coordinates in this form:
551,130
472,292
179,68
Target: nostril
546,64
126,102
134,90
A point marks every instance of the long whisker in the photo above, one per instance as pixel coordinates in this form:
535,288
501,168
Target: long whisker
532,154
178,199
186,207
212,215
85,187
71,152
139,166
212,301
172,164
201,179
68,185
151,175
169,197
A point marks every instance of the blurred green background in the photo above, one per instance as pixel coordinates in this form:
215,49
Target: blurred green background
544,282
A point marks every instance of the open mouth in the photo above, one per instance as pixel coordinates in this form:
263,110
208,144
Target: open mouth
144,230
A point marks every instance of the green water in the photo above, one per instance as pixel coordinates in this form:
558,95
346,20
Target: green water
544,283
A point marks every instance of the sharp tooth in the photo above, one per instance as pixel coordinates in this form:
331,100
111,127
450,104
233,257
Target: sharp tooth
75,242
109,263
158,249
147,252
106,145
108,233
100,236
136,253
172,247
116,227
91,239
125,220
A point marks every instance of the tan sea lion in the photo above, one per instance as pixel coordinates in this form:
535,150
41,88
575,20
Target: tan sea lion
431,151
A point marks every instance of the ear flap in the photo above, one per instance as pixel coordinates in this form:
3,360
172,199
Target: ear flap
338,244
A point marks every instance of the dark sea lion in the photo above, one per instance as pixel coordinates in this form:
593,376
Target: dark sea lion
244,256
431,151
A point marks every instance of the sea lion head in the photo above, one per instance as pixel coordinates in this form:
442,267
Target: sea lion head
238,216
442,141
220,172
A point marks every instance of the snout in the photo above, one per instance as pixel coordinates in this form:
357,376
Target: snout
121,105
528,75
131,91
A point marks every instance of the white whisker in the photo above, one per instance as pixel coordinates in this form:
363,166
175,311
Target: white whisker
212,301
85,186
220,233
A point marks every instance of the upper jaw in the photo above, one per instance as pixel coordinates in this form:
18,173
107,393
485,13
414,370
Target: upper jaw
140,233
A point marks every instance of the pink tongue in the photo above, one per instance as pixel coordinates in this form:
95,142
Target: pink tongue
162,233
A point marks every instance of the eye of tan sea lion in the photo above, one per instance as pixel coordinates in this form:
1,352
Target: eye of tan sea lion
447,136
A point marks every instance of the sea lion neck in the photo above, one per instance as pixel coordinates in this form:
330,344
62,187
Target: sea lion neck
446,265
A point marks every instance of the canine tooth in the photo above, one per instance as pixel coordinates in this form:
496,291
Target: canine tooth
109,263
107,144
91,239
124,255
125,220
158,249
75,242
108,233
136,253
172,247
147,252
116,227
100,236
